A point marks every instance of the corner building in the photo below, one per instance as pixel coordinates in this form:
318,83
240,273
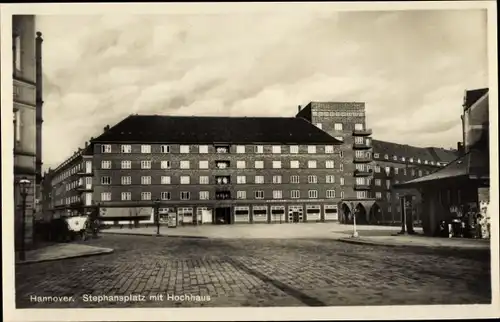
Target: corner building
235,169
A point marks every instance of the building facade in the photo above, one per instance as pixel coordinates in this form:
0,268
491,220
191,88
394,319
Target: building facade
27,118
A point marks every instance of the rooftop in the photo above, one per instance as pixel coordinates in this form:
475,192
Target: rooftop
211,129
472,96
408,151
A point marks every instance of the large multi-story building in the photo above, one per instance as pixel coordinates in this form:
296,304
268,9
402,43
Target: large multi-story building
316,166
27,110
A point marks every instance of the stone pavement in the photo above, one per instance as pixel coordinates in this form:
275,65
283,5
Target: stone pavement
254,272
62,251
374,235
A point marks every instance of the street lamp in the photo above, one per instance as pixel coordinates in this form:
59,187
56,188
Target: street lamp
24,184
157,217
354,231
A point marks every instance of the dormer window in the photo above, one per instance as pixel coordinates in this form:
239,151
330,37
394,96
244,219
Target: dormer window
419,161
386,157
432,162
411,160
395,158
403,159
425,162
376,155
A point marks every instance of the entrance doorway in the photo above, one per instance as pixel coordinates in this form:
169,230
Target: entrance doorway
295,214
223,216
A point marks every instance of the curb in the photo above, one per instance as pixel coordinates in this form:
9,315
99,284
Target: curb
154,235
35,261
365,242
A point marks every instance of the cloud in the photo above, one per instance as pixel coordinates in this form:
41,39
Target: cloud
410,67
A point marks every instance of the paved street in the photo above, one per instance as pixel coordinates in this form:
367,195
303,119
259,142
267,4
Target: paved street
255,272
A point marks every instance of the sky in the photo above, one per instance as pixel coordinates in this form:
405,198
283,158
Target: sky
410,68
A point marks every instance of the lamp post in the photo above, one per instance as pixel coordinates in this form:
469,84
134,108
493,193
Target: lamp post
24,184
354,231
157,216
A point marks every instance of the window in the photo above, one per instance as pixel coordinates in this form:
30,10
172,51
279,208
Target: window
241,164
378,182
165,149
185,195
240,149
358,126
313,194
329,164
146,164
395,158
413,172
17,126
342,181
294,179
294,164
126,196
204,195
145,180
377,169
145,148
106,164
106,180
338,127
276,164
106,148
276,149
419,173
295,194
204,179
241,179
184,148
360,194
126,180
277,179
312,179
294,149
166,180
396,170
202,149
165,195
328,148
17,54
388,196
222,149
378,195
165,164
277,194
403,159
411,160
358,140
126,148
426,162
259,194
387,184
419,161
259,179
203,164
386,156
342,195
126,164
184,165
105,196
259,164
330,179
311,164
185,179
319,125
145,195
330,194
241,194
311,149
388,170
376,155
259,149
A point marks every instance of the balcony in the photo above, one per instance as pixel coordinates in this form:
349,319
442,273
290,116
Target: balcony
362,132
222,165
363,173
222,149
223,180
362,159
361,146
84,188
222,195
364,186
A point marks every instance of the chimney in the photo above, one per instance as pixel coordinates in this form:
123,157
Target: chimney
86,144
106,128
300,107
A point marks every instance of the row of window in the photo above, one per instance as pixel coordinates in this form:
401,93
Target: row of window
165,164
410,160
205,195
67,173
345,113
277,149
277,179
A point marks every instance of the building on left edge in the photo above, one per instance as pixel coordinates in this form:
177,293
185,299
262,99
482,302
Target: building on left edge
27,110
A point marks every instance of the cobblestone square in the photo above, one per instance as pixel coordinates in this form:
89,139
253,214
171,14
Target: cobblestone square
158,272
